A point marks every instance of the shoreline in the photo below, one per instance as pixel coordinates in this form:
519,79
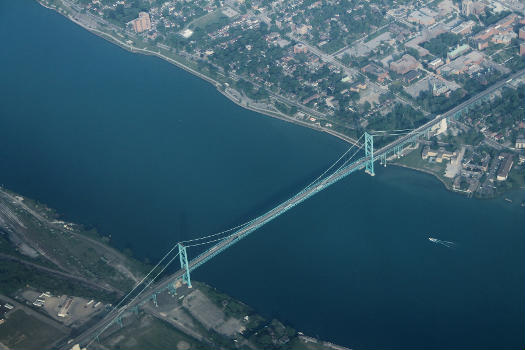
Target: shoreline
218,86
426,172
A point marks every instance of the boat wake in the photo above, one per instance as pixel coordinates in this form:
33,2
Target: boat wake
447,244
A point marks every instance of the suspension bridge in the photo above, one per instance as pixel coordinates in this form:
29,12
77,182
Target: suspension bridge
148,289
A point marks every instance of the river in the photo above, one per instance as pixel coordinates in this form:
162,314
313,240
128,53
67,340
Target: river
150,154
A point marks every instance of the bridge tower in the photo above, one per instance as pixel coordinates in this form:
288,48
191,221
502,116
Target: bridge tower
369,151
184,265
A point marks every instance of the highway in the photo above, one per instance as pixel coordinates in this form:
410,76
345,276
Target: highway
285,206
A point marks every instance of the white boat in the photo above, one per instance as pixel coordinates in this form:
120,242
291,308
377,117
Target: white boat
432,239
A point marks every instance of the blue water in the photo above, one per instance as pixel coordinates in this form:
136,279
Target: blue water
150,154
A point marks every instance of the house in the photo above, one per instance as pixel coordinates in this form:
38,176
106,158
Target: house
504,169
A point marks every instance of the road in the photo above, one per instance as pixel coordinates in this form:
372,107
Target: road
282,208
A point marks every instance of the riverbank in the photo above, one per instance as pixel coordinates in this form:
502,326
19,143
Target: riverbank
411,159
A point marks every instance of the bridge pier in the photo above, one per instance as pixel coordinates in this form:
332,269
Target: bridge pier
397,151
382,159
154,297
172,289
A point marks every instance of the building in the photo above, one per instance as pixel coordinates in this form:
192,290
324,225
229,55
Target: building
506,165
65,308
300,48
502,27
428,152
142,23
376,71
485,34
522,33
404,64
458,51
438,88
503,38
469,7
421,18
466,8
469,62
481,44
507,21
520,142
410,76
439,155
311,98
522,49
435,63
464,28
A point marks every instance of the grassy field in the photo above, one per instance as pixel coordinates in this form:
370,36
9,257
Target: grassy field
151,334
209,18
21,331
414,160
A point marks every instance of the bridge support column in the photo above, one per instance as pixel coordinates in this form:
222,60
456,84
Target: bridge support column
184,265
396,151
119,322
369,152
154,297
172,289
382,159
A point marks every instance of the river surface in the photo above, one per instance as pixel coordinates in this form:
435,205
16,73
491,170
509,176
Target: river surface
150,154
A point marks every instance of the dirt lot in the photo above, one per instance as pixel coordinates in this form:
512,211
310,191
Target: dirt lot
78,313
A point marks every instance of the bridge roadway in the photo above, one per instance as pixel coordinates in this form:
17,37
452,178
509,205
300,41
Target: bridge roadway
285,206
